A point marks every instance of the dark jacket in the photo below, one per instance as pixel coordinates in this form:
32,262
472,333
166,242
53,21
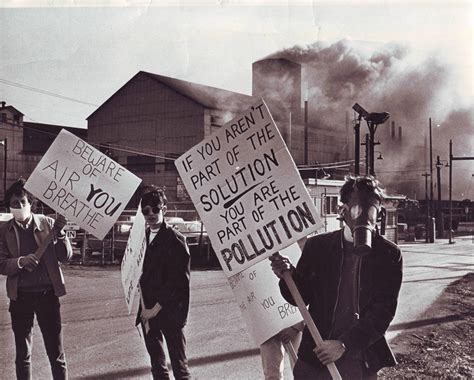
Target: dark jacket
58,250
165,278
317,276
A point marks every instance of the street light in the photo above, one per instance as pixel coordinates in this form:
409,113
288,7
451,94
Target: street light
4,143
373,119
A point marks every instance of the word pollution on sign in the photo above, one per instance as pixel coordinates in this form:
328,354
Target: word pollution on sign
258,295
82,183
132,261
247,190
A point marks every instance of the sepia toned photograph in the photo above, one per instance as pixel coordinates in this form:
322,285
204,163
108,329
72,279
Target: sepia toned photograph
236,189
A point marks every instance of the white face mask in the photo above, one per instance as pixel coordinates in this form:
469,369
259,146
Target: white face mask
21,214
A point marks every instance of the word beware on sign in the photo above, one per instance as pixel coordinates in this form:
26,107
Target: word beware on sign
247,190
82,183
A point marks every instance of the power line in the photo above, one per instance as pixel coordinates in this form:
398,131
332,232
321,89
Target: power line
39,91
156,154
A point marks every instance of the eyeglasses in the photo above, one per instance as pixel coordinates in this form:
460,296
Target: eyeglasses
147,210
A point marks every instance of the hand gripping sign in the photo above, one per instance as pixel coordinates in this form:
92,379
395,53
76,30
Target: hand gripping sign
249,195
257,293
82,183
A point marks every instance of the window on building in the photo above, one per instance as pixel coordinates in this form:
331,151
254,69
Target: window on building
16,119
3,117
141,164
329,205
391,218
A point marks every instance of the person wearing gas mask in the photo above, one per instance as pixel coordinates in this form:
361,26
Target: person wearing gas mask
350,278
33,283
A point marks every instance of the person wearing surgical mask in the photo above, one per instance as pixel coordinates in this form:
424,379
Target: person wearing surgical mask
350,278
34,283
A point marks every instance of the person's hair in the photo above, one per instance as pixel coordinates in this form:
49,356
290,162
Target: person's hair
17,189
366,184
153,196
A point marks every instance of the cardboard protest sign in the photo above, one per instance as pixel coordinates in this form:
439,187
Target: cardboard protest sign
132,261
82,183
258,295
247,190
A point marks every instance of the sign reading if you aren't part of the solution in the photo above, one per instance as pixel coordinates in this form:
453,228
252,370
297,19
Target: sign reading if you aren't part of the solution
83,184
247,190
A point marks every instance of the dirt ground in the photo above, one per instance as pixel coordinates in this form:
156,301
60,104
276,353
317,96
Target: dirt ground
441,345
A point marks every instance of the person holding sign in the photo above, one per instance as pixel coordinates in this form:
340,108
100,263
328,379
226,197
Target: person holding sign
350,279
34,278
164,288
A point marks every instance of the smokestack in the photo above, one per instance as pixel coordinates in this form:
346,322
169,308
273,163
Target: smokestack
400,133
3,104
393,130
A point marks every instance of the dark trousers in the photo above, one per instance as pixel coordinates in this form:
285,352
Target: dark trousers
47,309
348,367
176,343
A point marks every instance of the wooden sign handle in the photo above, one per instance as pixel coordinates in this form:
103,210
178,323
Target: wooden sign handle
308,320
42,248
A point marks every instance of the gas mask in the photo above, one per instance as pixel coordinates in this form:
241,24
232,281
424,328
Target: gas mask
361,214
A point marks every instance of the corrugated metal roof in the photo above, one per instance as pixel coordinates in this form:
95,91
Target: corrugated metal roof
209,97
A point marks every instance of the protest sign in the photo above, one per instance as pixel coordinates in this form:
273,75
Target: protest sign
132,261
82,183
258,295
247,190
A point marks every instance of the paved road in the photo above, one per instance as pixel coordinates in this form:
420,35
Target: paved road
101,342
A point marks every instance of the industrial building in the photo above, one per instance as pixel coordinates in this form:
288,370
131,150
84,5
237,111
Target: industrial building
22,144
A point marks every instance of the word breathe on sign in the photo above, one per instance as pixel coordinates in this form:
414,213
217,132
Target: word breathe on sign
83,184
247,190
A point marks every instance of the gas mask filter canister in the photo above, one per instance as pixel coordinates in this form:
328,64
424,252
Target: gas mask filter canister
363,211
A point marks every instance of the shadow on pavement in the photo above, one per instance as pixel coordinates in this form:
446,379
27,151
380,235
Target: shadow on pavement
426,322
193,362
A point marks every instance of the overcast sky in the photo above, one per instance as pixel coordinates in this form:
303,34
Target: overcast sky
87,53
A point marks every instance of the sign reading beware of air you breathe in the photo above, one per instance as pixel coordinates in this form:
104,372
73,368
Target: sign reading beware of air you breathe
82,183
247,190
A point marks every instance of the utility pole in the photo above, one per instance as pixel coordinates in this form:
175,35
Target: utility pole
357,146
426,175
431,171
367,154
306,132
5,150
451,192
439,218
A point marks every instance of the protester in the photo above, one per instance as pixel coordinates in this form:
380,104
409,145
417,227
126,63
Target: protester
272,351
33,284
164,287
350,278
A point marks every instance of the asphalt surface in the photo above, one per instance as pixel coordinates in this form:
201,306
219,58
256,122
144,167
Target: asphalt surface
101,341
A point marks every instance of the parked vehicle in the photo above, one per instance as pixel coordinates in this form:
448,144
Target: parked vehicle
202,254
5,217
